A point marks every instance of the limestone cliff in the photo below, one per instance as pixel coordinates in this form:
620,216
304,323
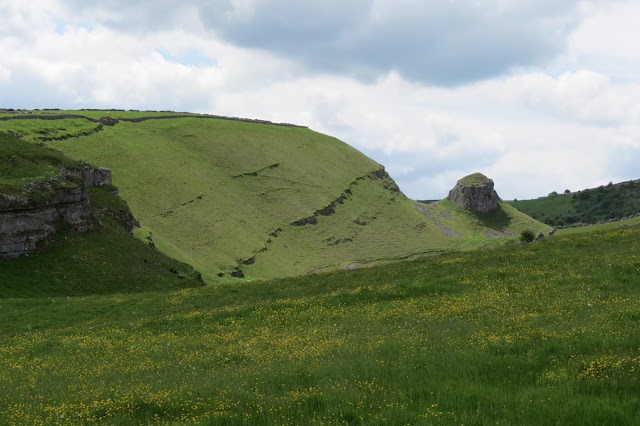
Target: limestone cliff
28,218
476,193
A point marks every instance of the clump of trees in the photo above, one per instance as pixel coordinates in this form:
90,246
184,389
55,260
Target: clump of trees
603,203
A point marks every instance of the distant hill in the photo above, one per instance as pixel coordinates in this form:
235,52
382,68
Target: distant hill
612,201
244,198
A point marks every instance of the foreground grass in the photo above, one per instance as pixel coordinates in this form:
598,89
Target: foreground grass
540,333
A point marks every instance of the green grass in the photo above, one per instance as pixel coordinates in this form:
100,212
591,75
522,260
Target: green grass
212,192
549,209
601,227
538,333
39,131
475,179
21,163
105,261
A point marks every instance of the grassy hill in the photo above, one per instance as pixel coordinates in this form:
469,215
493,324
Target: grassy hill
105,261
528,334
613,201
227,196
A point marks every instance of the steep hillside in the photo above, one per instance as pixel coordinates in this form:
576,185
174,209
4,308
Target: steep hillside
73,239
613,201
240,198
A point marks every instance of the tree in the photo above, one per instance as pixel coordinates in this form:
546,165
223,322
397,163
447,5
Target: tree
566,191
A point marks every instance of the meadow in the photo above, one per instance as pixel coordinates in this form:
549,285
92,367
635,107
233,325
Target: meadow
526,333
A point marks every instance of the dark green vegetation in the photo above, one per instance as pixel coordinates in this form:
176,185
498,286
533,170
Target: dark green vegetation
612,201
105,261
529,334
269,201
527,236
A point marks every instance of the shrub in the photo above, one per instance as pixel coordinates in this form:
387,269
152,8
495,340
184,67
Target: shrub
527,236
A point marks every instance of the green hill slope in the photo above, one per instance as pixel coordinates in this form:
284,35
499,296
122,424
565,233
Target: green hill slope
253,199
529,334
613,201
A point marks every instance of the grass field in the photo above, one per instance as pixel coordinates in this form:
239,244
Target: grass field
538,333
223,195
544,208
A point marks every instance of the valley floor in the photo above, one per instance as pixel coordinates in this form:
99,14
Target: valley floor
539,333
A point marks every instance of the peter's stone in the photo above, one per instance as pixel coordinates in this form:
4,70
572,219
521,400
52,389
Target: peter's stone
476,193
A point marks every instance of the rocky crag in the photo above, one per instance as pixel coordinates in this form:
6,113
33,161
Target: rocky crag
28,218
476,193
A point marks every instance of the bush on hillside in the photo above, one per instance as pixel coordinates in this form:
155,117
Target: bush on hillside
527,236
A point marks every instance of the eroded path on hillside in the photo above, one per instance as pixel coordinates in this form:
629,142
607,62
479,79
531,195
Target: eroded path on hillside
422,209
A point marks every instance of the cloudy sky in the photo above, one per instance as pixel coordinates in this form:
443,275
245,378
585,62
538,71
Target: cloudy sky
540,95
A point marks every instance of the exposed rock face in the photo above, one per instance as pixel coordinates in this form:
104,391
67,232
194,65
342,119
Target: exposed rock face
476,193
28,219
96,176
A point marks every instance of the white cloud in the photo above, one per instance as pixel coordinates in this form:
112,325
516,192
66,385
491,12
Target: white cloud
581,95
606,39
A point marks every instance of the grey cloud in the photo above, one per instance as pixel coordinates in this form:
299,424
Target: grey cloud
435,42
444,43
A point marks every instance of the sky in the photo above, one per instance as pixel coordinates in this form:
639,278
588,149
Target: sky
539,95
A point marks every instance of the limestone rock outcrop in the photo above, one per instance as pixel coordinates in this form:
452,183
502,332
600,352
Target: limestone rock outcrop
29,218
476,193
